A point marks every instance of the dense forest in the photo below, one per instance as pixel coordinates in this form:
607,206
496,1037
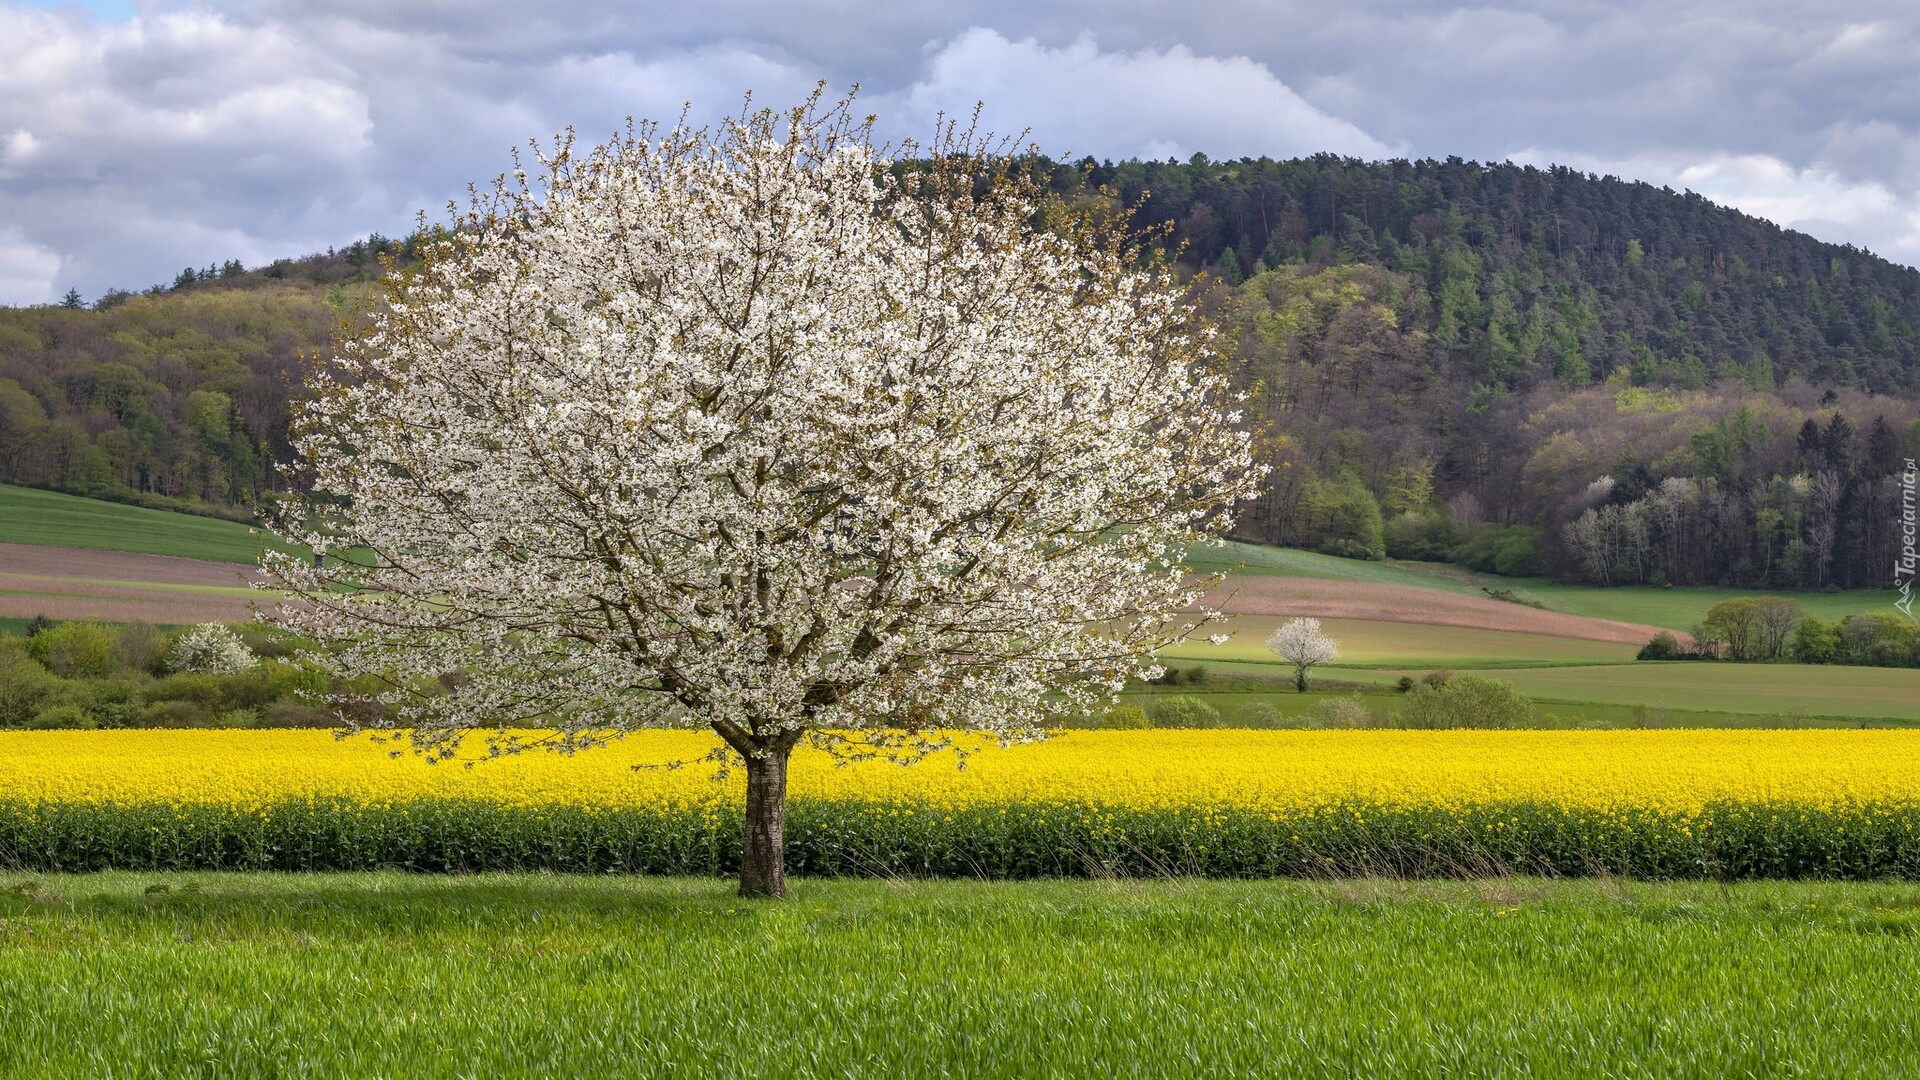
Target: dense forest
1526,371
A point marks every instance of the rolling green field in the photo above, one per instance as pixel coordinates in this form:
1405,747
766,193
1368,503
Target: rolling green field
31,516
392,975
1277,706
1675,609
1368,643
1811,690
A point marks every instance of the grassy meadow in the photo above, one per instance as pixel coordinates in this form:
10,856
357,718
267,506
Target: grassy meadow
51,519
263,975
1372,643
1674,609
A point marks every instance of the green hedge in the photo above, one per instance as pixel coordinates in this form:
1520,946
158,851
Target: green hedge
1726,840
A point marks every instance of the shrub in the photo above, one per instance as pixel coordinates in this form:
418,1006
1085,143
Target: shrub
77,650
1468,701
1261,714
60,717
1341,517
142,647
1347,548
210,649
38,625
1181,711
1194,675
237,718
24,683
111,702
292,714
1347,711
1881,639
1118,718
1511,551
175,714
1405,684
1436,679
1817,641
1413,535
1664,646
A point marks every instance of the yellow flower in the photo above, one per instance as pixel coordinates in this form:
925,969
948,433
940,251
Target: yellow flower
1270,773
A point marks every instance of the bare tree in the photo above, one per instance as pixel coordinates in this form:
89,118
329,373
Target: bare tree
1823,522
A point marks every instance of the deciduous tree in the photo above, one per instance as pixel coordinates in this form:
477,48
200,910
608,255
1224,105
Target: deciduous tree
769,431
1301,644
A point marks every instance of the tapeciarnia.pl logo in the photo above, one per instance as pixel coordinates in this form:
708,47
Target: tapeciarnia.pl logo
1903,570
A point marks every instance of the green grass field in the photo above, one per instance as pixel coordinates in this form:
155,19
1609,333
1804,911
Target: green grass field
389,975
1679,609
1257,708
1373,643
1777,689
1675,609
31,516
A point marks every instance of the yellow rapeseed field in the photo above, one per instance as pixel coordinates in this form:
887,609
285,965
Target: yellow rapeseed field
1249,770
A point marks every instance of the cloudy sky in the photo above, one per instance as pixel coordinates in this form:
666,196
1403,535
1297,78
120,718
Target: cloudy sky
139,137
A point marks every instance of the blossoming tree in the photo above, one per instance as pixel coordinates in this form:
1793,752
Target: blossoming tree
1301,643
769,431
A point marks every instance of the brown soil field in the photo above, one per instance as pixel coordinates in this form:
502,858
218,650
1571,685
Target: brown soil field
86,564
1321,599
71,583
112,586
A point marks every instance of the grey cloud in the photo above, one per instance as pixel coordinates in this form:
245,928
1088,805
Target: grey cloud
252,130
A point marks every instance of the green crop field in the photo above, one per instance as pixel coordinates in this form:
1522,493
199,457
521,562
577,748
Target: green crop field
1679,609
30,516
1277,706
1373,643
390,975
1241,558
1776,689
1675,609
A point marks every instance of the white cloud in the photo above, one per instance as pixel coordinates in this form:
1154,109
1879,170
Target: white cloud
135,147
27,270
1149,103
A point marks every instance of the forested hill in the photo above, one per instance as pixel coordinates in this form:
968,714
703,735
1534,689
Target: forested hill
1542,371
1522,370
1552,274
177,396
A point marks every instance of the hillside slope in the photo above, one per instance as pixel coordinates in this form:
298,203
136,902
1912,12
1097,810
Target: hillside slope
51,519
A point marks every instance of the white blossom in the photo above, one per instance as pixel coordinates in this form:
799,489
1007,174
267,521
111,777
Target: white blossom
1300,643
210,649
765,430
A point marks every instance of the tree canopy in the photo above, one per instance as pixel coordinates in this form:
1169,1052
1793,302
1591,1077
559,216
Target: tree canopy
755,430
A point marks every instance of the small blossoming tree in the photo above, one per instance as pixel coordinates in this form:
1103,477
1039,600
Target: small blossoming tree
767,431
1301,644
210,649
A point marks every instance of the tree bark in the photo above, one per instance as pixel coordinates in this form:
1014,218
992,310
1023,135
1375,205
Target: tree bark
763,871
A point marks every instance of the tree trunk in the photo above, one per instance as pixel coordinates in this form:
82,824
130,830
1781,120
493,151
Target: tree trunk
763,870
